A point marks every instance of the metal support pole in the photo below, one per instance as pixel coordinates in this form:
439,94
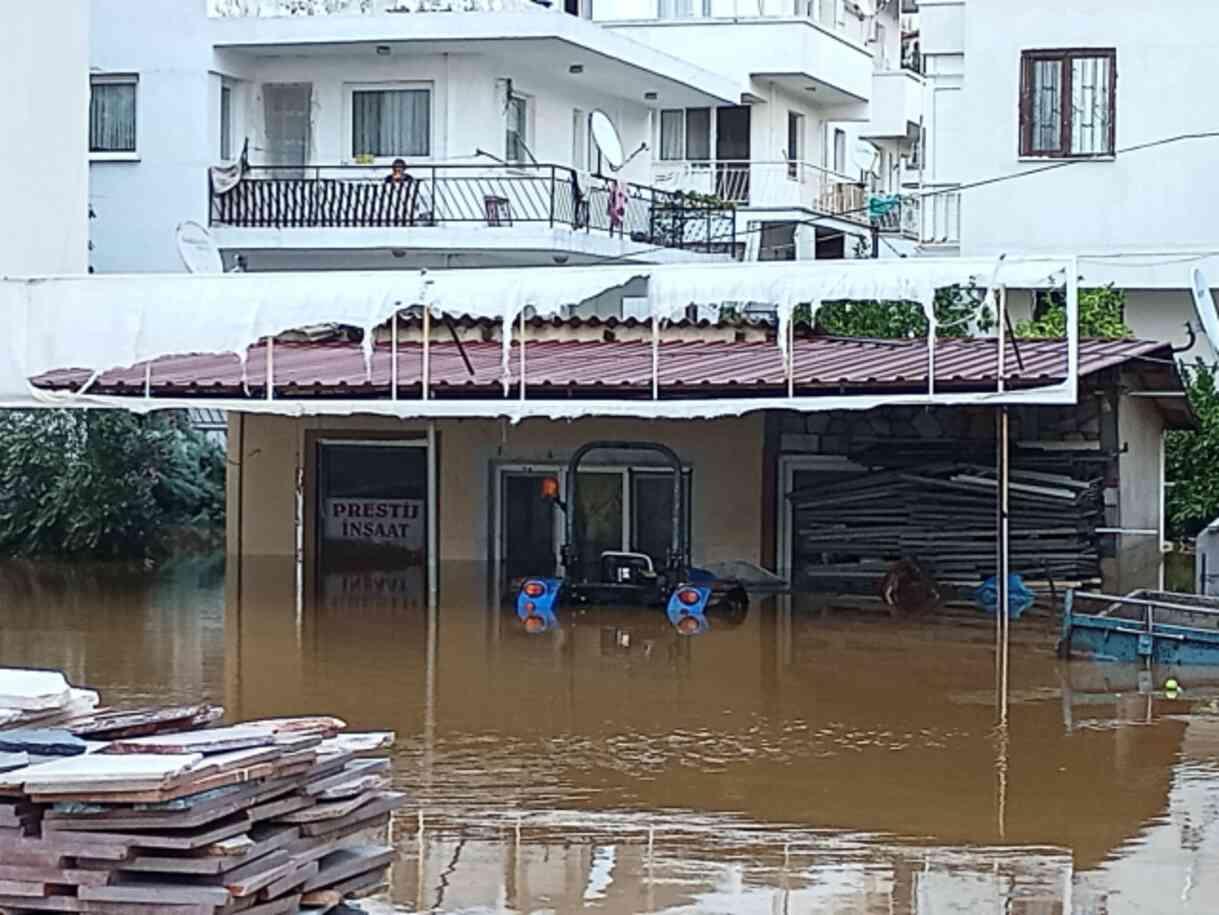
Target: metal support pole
522,355
655,357
147,380
270,368
393,356
791,355
1003,622
427,350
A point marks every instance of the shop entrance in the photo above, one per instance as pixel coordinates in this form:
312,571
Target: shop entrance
372,522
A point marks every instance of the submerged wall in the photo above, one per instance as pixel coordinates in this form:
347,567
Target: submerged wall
726,458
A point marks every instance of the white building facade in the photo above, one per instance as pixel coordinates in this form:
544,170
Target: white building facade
1086,107
44,178
725,118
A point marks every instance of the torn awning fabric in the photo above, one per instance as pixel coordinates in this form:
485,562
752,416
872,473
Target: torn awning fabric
104,322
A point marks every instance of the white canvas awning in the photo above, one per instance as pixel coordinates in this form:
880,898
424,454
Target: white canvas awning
98,323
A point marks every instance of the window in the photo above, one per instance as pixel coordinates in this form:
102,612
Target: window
795,143
840,150
685,134
516,146
672,134
112,115
1068,103
387,123
226,123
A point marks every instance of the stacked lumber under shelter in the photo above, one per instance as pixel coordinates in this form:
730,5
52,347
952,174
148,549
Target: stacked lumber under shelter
943,516
147,811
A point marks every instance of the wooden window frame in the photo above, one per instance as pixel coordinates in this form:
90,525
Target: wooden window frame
1065,56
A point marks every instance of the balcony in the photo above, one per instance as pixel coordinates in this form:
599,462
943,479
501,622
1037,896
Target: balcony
897,105
228,9
769,185
941,216
901,216
487,198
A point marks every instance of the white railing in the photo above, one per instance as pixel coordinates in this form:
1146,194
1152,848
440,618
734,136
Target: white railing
834,15
941,215
747,183
225,9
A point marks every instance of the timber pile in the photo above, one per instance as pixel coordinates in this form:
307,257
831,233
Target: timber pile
943,517
164,816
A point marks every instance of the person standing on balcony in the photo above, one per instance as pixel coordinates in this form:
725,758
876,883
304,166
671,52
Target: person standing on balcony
397,173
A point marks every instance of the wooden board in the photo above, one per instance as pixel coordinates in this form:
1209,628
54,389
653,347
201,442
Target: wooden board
334,810
322,725
33,690
215,740
97,773
186,840
143,722
126,819
350,862
42,742
301,873
11,849
157,893
57,875
382,804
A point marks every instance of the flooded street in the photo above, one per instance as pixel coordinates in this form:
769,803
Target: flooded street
791,763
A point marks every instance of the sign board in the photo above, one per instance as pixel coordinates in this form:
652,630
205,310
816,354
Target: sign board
403,589
394,522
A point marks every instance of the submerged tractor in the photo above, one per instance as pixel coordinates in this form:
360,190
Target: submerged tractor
619,578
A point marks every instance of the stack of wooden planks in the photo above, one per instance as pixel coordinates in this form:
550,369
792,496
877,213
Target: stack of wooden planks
943,516
268,817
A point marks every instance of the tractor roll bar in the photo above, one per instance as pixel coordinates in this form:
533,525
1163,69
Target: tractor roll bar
678,550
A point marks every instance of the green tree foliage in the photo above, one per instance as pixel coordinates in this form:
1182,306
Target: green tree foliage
1192,459
1101,314
959,311
103,484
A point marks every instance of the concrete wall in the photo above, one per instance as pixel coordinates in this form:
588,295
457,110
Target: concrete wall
140,203
44,142
725,457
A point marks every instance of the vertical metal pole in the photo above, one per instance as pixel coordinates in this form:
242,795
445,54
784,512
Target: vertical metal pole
427,350
522,355
552,193
270,368
791,355
1004,562
655,357
299,547
148,380
433,497
393,356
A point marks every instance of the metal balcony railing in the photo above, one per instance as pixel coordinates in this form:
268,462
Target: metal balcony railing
781,184
941,215
494,196
228,9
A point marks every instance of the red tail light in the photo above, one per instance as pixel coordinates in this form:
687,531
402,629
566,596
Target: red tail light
534,589
689,596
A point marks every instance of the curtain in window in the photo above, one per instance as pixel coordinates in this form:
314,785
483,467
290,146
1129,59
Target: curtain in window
393,122
698,134
676,9
672,134
516,130
1047,106
112,117
1090,105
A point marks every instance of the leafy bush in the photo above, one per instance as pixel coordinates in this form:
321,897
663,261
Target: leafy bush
1192,459
103,484
1101,314
959,312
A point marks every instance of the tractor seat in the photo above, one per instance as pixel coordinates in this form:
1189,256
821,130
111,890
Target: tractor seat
626,568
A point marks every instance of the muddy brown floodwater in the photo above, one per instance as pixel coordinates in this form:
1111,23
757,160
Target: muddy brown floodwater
790,763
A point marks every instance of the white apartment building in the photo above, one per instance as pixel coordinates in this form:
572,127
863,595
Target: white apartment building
44,180
1064,96
489,104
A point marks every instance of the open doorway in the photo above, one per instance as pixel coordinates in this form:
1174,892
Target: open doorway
732,153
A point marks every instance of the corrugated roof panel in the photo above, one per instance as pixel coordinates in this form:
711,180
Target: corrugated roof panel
820,363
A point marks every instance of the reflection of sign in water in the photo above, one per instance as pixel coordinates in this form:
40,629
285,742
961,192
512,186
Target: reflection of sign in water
398,522
380,590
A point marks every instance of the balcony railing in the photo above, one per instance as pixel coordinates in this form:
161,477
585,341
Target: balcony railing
941,215
832,15
226,9
897,215
495,197
747,183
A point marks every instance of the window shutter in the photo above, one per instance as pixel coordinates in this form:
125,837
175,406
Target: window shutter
1026,106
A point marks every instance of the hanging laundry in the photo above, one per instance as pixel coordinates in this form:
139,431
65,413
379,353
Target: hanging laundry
616,208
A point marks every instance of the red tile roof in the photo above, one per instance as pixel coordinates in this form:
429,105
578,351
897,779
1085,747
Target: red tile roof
822,364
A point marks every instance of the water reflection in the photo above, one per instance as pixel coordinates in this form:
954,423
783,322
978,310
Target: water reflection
792,763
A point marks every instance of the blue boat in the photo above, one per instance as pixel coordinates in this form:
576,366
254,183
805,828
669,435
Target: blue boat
1149,627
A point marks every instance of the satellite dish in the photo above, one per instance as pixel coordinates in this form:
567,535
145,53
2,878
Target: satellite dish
1204,304
198,249
605,135
865,156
